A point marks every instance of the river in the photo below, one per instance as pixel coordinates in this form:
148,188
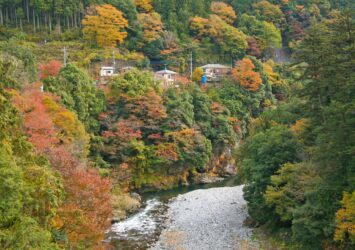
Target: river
143,229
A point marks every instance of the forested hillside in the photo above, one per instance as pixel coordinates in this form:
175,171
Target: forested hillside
74,145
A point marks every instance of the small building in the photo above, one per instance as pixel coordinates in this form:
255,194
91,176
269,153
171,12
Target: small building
166,77
107,71
215,72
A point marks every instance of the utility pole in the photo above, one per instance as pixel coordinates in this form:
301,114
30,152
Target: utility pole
65,56
191,66
113,61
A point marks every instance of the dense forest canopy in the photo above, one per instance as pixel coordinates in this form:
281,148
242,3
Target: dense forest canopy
74,145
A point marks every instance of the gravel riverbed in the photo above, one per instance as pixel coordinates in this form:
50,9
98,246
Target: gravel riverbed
207,219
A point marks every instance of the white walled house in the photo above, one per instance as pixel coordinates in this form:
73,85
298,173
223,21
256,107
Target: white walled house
106,71
215,72
166,77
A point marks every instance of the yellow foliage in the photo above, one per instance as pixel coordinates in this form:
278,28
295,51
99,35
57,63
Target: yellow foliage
274,78
66,121
51,105
197,74
152,25
345,219
144,5
224,11
105,25
72,131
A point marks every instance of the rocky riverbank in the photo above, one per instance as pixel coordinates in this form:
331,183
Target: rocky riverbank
207,219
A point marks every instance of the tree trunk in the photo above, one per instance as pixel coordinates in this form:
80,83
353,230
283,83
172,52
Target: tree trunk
6,16
1,17
15,14
45,21
74,17
34,20
27,11
50,23
59,27
68,24
38,20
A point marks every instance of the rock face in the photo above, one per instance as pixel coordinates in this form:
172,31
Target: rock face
209,219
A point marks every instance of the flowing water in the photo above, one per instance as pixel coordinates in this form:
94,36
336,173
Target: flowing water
142,229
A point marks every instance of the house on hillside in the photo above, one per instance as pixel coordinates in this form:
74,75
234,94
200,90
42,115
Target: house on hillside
107,71
166,77
215,72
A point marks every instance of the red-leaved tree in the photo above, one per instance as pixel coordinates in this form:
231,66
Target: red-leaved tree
52,68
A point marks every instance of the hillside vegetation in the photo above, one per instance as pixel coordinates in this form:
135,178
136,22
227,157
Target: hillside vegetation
74,146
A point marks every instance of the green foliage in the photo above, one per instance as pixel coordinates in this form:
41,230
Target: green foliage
194,149
78,93
14,48
180,109
133,83
266,31
262,155
306,197
286,191
213,119
30,191
12,71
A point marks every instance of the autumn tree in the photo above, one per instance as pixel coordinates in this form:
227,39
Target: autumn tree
245,75
56,132
266,33
224,11
197,75
269,12
144,6
345,221
105,25
194,149
151,24
229,39
29,188
51,69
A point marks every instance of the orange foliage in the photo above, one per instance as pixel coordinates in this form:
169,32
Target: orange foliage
224,11
87,209
144,5
148,108
105,25
55,131
123,131
199,24
217,108
50,69
168,151
299,126
243,73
